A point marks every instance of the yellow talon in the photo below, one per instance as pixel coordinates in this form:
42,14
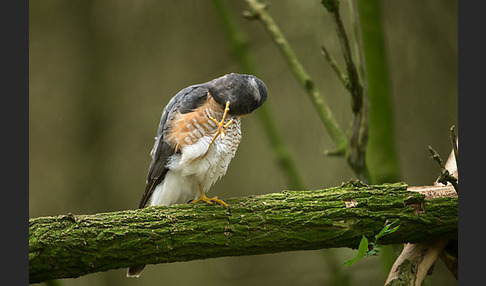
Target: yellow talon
221,126
205,199
210,201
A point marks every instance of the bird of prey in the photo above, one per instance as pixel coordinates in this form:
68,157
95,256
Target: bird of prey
198,134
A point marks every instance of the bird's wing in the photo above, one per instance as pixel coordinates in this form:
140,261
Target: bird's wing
185,101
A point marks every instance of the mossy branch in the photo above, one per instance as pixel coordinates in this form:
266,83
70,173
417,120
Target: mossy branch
75,245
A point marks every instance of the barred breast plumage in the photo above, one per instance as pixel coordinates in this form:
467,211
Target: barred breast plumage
195,161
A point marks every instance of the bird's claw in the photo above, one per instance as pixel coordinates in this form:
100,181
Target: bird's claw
211,201
221,125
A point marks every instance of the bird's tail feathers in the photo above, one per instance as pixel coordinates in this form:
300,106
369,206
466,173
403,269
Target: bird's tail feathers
135,271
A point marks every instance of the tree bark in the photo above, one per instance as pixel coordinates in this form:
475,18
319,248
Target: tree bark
69,246
417,260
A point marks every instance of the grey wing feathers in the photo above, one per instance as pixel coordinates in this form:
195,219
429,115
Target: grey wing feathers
185,101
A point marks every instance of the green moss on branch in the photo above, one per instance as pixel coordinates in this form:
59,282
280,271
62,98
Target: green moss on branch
74,245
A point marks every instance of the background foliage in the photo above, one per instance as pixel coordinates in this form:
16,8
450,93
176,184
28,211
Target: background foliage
102,71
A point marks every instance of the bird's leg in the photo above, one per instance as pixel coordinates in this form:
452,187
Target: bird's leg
221,126
203,198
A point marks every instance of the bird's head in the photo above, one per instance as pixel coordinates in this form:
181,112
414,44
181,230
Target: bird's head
244,92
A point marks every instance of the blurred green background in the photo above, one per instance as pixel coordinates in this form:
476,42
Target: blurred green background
102,71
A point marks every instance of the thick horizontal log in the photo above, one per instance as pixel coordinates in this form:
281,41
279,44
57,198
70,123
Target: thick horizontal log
74,245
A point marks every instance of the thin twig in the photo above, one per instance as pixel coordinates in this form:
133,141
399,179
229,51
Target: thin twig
360,65
357,36
356,88
257,11
445,176
336,68
370,55
358,135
